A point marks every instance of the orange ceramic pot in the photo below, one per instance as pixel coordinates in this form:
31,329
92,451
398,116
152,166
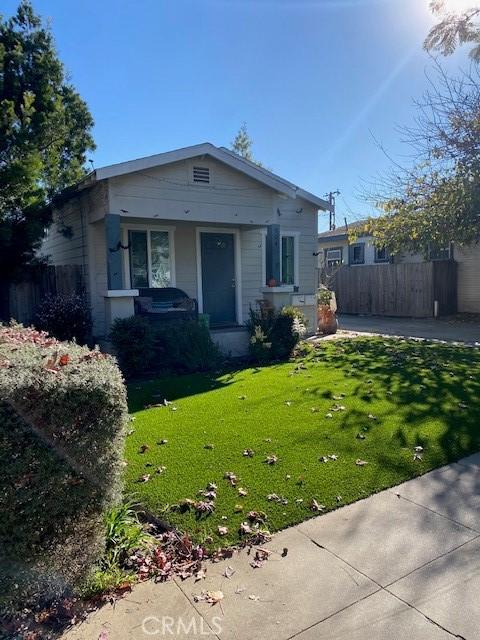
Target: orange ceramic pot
327,321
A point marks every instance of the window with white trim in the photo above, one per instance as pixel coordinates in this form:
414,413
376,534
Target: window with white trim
288,258
150,258
333,257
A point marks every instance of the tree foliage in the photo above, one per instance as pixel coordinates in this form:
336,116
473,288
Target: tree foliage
436,200
243,143
454,28
45,132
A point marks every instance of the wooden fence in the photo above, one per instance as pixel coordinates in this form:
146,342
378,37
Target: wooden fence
405,289
20,300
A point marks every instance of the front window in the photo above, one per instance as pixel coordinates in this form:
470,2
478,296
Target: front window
150,260
288,259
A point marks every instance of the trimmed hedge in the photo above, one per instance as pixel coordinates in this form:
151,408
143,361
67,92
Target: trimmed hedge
63,415
143,347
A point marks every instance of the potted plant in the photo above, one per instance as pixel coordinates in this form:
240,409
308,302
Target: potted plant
326,318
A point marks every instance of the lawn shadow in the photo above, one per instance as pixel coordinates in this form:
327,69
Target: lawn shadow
428,381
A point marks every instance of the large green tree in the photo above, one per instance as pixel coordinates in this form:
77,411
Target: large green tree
454,27
436,199
45,133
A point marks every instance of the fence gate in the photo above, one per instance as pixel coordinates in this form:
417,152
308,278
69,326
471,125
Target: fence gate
404,289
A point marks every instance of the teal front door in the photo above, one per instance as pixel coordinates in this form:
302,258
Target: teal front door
218,277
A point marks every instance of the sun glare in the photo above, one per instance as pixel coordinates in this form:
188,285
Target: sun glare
458,6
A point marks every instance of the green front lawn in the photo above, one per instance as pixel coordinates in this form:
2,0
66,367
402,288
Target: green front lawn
385,397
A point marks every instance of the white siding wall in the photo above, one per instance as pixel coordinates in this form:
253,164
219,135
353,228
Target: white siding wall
65,240
167,192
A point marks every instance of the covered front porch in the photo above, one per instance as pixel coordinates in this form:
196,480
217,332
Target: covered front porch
223,268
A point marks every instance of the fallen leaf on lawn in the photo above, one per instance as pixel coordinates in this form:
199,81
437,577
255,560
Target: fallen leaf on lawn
245,528
332,456
248,453
371,416
463,405
257,516
418,449
340,396
204,507
238,508
163,441
329,415
160,470
323,459
360,463
209,494
260,536
242,397
299,500
231,477
267,439
144,478
273,497
360,436
288,402
288,476
144,448
222,531
316,506
208,446
337,407
130,431
314,409
338,498
271,459
417,456
173,408
242,492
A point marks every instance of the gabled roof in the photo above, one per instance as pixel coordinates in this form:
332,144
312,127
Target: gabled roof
219,153
340,233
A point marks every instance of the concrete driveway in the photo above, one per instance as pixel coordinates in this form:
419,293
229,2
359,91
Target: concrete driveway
451,330
401,565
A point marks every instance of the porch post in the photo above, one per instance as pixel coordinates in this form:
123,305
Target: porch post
273,253
113,241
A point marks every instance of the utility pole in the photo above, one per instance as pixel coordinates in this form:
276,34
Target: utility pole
331,201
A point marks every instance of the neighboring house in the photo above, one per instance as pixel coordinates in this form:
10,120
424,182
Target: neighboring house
201,219
335,250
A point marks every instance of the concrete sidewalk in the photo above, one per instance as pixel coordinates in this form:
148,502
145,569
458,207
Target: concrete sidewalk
451,330
401,565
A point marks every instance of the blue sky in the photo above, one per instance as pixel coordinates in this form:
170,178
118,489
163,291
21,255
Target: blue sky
316,81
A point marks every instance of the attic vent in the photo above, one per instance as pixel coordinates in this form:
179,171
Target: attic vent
201,175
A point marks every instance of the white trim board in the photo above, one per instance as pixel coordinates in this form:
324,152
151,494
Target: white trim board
237,265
